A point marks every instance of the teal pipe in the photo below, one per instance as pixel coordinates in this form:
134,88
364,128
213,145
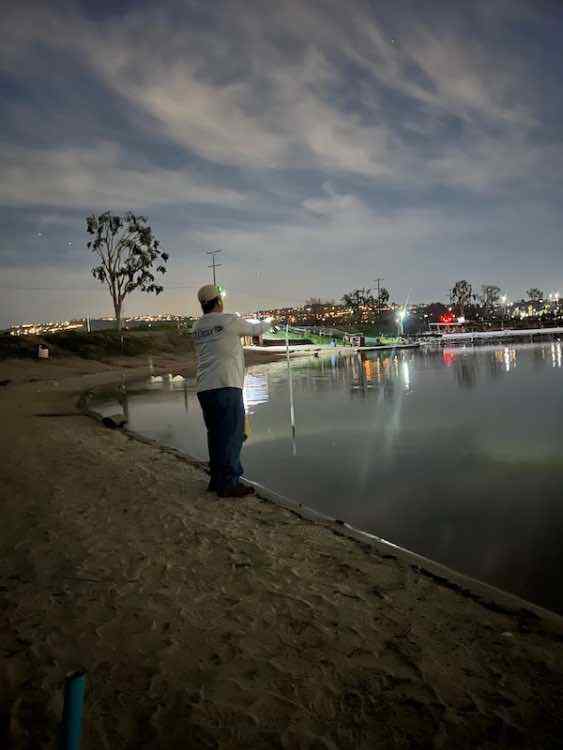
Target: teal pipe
71,727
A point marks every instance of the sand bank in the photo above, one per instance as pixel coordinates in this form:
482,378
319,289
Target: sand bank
214,624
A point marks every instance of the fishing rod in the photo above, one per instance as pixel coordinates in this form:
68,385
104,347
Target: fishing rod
275,328
291,401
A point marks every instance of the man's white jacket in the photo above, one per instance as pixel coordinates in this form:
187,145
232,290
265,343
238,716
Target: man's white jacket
220,356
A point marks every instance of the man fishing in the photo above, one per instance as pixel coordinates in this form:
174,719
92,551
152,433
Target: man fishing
220,378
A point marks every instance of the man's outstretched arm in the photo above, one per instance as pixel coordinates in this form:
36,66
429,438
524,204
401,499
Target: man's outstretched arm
253,327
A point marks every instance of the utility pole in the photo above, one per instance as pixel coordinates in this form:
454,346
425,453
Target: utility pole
214,265
378,282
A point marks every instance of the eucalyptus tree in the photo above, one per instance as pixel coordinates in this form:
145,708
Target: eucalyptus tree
383,296
535,294
461,295
490,296
129,256
358,300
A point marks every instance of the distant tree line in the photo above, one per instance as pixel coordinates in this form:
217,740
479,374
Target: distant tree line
465,301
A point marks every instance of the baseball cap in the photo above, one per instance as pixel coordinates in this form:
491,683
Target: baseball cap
209,292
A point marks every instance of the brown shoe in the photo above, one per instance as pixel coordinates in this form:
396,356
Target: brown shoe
239,490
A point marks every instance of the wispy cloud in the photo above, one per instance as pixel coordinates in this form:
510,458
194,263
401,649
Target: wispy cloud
236,93
98,178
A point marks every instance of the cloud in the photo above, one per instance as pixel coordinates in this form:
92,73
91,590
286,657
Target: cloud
334,205
228,90
278,117
96,178
313,142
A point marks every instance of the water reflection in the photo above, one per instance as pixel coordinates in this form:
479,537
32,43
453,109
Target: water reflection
370,374
405,374
466,371
540,357
448,357
255,390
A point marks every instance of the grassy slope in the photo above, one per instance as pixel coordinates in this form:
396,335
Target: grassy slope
100,345
96,345
294,336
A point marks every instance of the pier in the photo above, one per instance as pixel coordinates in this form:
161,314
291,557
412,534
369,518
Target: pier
507,333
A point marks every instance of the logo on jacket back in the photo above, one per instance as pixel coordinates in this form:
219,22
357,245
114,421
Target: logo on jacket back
203,333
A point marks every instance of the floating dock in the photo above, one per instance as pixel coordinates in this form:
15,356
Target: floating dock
386,347
315,350
301,350
507,333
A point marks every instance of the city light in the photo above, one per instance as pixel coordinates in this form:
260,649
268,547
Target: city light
343,317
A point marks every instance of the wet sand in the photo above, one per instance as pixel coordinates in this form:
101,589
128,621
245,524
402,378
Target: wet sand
221,624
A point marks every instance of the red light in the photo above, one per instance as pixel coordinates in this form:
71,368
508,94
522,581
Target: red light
447,318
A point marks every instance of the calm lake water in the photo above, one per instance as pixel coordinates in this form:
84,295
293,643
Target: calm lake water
454,453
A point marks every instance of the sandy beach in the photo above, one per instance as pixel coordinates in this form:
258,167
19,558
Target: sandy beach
206,623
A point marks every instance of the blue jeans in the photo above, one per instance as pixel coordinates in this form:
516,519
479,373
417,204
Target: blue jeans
223,414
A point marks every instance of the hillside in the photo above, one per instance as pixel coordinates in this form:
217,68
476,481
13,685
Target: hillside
98,345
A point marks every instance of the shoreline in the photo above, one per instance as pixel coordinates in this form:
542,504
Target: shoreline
484,593
242,624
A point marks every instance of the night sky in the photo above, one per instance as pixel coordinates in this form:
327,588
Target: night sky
319,143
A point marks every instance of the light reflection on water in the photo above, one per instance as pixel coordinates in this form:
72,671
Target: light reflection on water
456,453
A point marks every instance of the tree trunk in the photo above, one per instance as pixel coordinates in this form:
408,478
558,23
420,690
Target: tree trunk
117,310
